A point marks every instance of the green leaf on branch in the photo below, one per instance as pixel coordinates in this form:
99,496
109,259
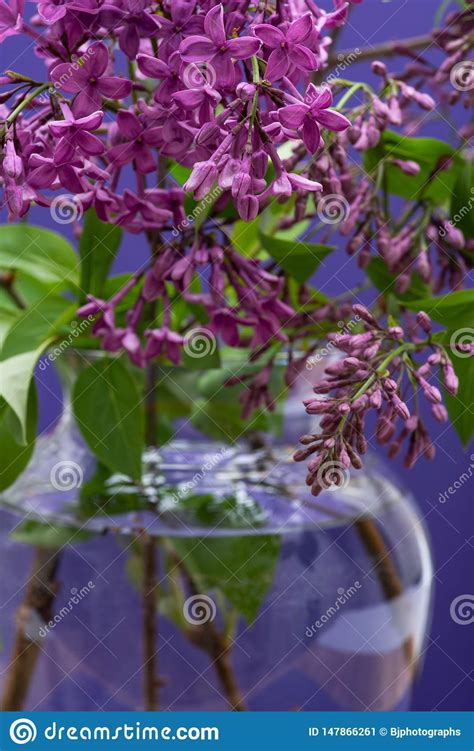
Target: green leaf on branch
461,407
27,338
430,153
242,568
462,201
24,247
109,411
98,248
48,535
298,258
384,280
15,453
454,310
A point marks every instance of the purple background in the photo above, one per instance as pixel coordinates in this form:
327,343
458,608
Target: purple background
447,679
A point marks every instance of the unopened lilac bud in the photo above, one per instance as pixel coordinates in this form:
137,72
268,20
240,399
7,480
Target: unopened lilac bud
379,68
12,164
389,384
424,321
400,407
432,393
440,412
409,167
396,332
376,399
248,207
451,381
246,91
201,179
365,314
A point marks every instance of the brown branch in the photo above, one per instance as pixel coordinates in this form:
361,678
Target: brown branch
36,607
385,49
208,638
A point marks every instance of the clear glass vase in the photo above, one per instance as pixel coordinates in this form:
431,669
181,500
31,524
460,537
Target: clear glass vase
219,583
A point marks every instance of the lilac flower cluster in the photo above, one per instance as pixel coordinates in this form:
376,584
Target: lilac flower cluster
378,371
213,86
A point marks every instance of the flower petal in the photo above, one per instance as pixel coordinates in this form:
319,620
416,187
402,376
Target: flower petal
243,47
196,48
311,135
303,58
299,30
114,87
269,35
293,115
214,25
332,120
278,64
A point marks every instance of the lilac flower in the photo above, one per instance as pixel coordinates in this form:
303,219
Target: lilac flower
216,48
87,78
137,141
182,25
307,116
163,341
372,375
10,17
134,21
288,48
75,133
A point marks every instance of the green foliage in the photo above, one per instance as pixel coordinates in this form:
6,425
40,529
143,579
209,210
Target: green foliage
27,337
461,407
462,201
38,252
299,259
384,281
110,414
50,535
242,567
455,310
16,444
430,154
98,248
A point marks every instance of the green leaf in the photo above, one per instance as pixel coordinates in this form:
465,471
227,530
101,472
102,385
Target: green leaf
462,202
108,408
98,248
24,247
299,259
455,310
242,568
48,535
28,336
245,236
14,453
384,280
208,510
110,494
428,153
461,407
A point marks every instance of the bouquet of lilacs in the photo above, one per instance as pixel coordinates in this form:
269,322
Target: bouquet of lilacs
225,137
